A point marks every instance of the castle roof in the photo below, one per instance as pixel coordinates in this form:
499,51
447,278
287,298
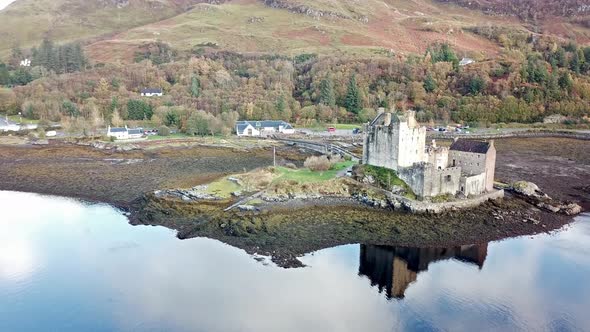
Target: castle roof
465,145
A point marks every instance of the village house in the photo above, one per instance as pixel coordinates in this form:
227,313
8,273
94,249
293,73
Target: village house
263,128
397,142
123,133
151,92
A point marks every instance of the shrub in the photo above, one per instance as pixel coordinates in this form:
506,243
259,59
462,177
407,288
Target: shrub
318,163
164,131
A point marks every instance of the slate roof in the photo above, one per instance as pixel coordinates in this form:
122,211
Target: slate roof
152,91
465,145
241,125
135,131
118,130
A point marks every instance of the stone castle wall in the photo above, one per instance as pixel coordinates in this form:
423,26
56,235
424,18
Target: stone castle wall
394,144
427,181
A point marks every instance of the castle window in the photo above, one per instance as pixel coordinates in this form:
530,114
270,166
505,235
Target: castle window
454,162
448,178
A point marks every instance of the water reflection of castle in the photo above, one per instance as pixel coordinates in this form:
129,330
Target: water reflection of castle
393,269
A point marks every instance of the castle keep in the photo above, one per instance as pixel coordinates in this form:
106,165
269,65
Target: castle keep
397,142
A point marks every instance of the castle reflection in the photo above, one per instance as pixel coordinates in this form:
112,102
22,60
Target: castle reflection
393,269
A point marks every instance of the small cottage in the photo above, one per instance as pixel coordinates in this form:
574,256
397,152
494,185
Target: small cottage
122,133
263,128
151,93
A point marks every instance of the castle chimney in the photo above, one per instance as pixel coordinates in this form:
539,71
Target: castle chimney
380,110
492,143
434,143
455,139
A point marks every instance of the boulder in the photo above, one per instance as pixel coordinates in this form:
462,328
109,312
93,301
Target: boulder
571,209
529,189
247,208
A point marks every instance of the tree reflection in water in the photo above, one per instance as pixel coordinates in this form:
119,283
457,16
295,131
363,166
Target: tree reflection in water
393,269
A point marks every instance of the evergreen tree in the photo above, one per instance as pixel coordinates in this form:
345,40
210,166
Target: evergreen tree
352,102
561,57
281,105
21,76
575,63
4,74
327,95
565,81
139,110
70,109
429,83
195,87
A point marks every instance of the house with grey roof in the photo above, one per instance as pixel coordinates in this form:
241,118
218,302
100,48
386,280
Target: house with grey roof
122,133
263,128
152,92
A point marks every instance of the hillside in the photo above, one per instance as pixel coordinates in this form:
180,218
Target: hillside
529,9
114,30
25,23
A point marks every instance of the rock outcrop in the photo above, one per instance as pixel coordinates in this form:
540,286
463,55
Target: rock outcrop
533,194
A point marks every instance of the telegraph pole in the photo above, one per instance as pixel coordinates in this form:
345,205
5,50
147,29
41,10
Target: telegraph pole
274,156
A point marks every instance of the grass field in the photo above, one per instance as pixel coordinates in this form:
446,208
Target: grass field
305,175
171,136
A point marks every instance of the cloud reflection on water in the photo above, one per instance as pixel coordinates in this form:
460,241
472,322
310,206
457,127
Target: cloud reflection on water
143,278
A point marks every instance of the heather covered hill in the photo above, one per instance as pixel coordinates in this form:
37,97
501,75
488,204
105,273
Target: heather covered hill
25,23
114,30
529,9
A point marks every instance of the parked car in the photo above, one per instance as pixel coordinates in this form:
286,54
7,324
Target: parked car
331,129
356,131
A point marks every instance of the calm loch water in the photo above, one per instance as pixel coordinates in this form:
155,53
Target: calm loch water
70,266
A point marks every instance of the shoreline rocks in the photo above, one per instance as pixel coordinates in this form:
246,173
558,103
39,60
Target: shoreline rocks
531,193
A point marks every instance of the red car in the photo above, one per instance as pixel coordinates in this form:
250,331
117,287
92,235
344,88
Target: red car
331,129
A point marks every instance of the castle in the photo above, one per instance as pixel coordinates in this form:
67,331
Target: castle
396,141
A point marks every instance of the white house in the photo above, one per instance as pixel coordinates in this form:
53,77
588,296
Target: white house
122,133
466,61
263,128
25,63
151,93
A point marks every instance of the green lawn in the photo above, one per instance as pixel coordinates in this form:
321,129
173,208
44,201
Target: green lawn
17,119
171,136
305,175
222,188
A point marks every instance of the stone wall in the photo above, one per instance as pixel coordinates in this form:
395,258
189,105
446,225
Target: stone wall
429,207
381,147
441,181
473,185
427,181
470,163
393,141
490,169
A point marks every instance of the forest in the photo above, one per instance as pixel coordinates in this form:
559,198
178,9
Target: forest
205,93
